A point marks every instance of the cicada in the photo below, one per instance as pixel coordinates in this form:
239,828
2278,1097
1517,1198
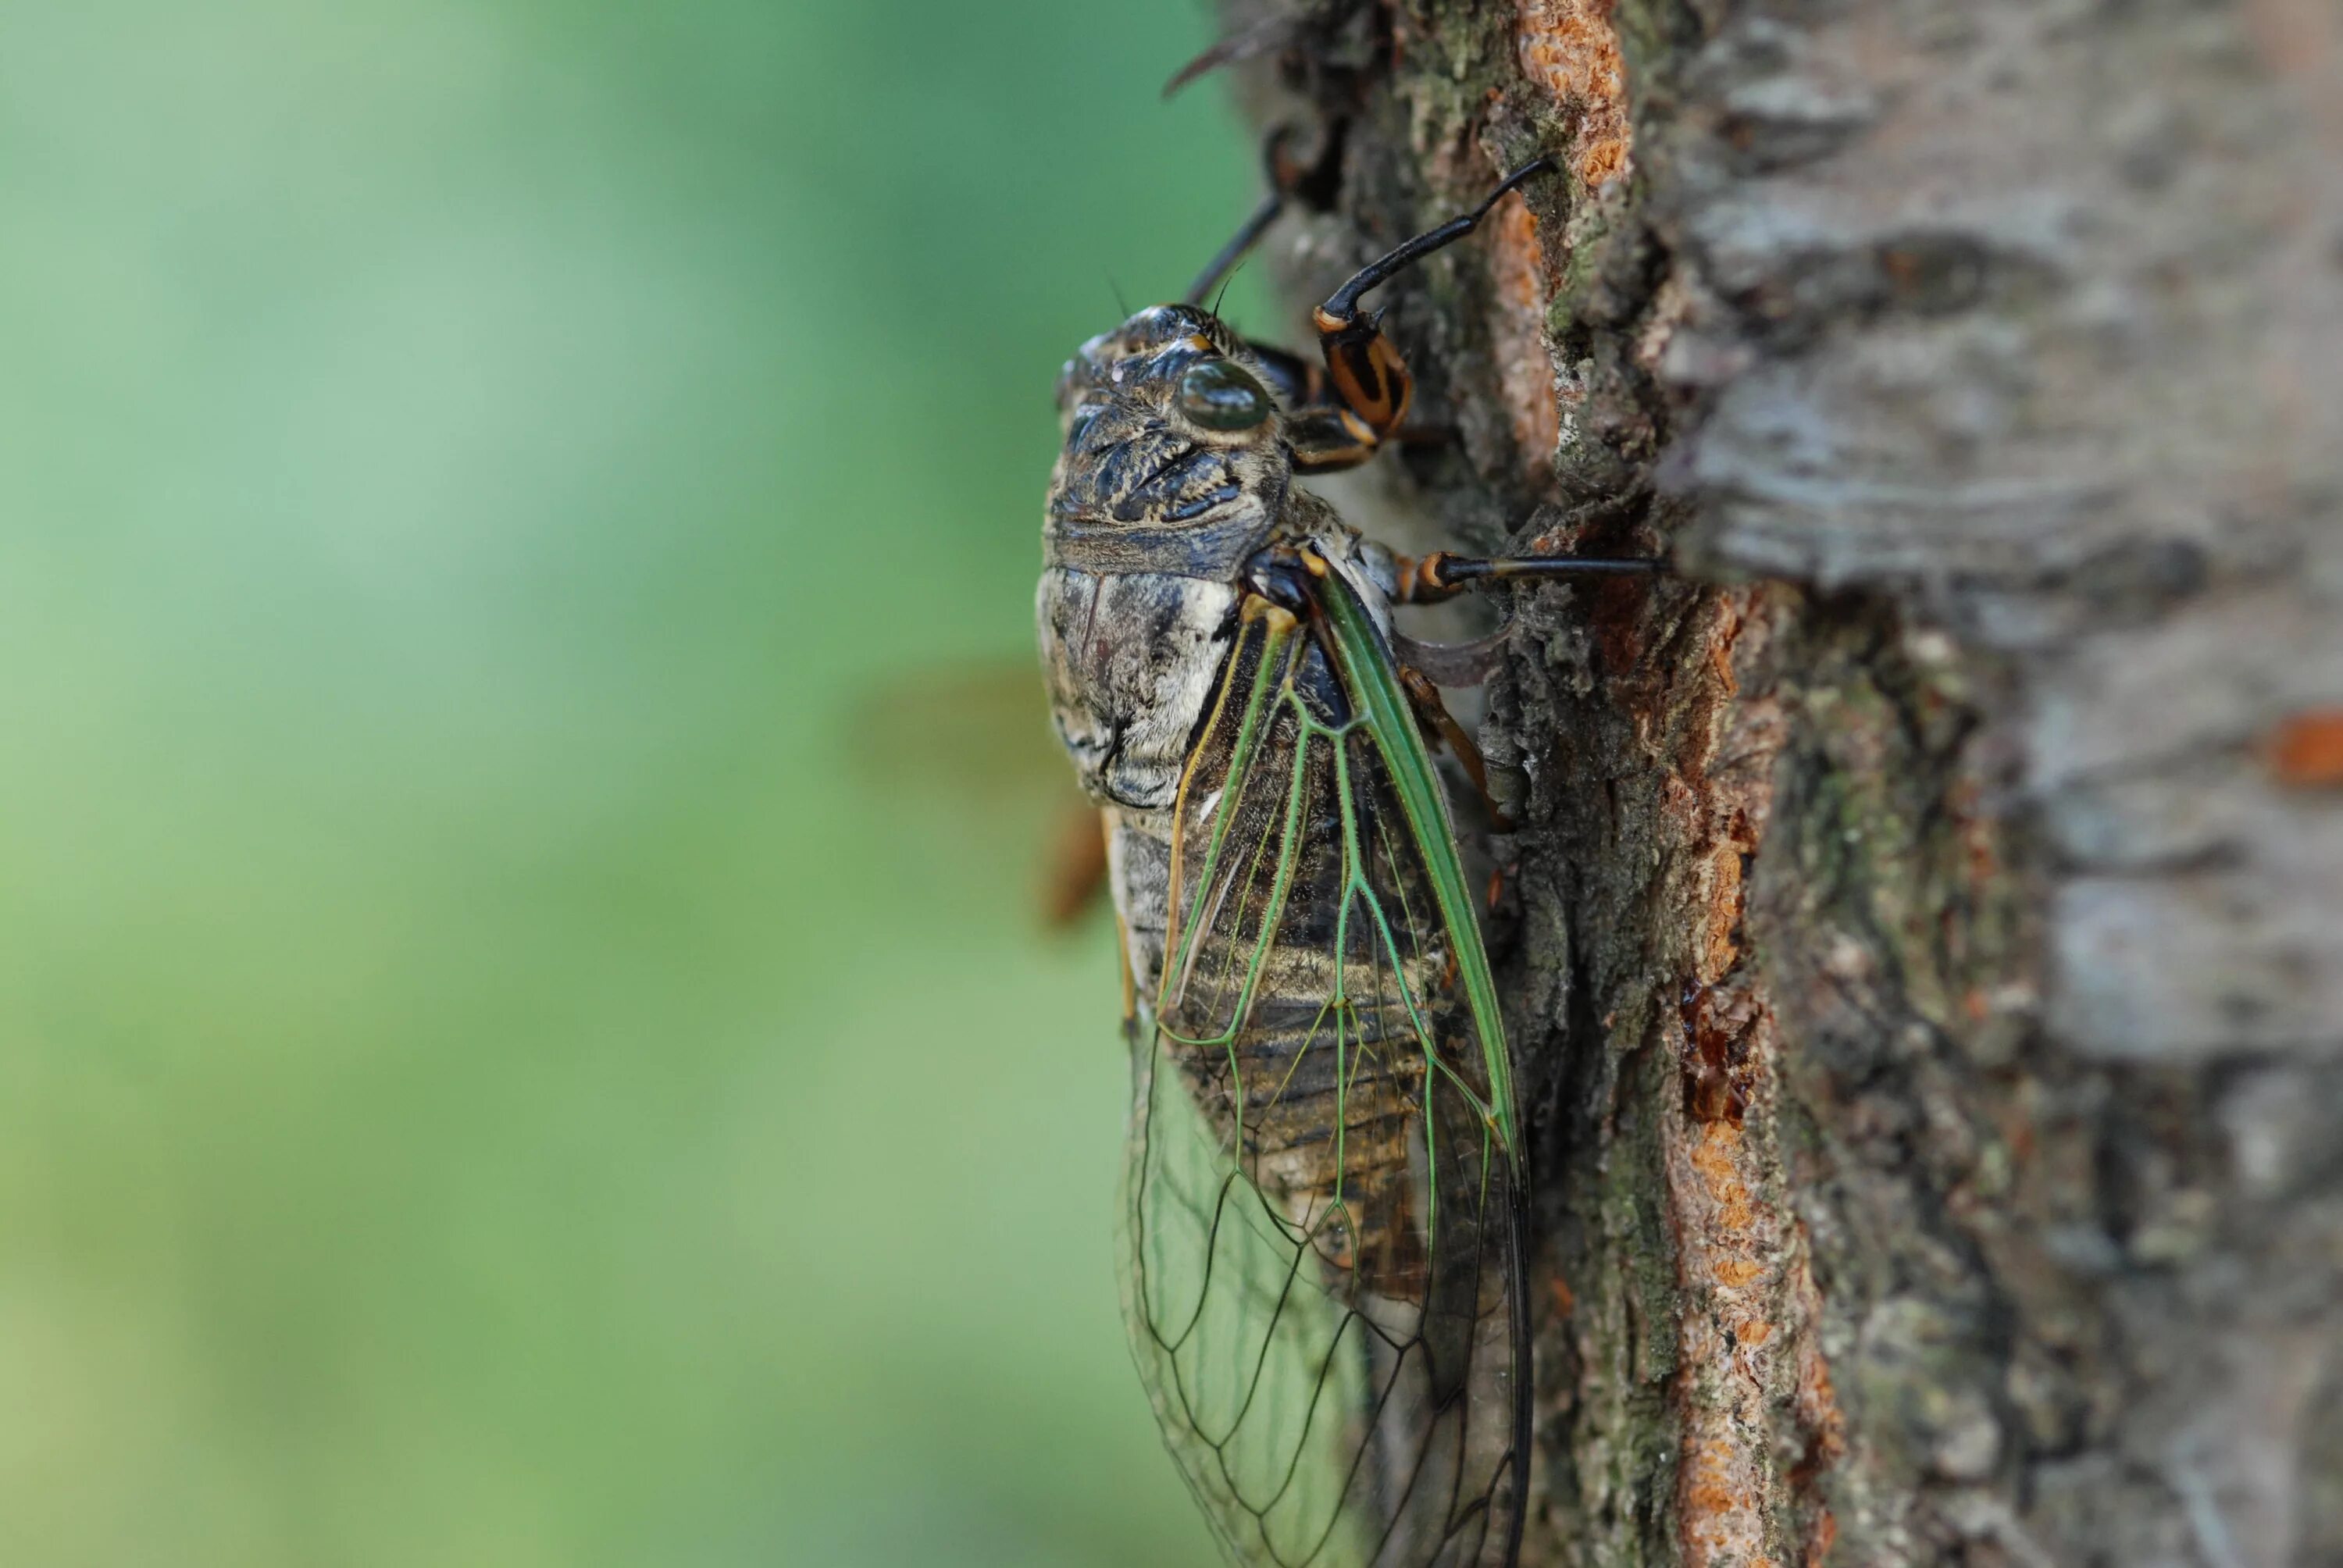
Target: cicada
1322,1226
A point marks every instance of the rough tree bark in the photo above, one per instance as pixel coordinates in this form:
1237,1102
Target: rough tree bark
1926,949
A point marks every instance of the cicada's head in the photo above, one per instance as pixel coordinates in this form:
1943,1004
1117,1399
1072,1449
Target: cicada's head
1174,459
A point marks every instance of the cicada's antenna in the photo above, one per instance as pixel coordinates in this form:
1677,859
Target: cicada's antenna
1222,291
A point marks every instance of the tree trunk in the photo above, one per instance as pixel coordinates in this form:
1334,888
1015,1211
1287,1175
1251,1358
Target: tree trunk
1923,943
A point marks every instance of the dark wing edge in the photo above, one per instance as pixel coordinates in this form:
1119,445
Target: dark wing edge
1368,671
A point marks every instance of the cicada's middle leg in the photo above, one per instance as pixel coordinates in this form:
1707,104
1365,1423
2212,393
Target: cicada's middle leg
1430,578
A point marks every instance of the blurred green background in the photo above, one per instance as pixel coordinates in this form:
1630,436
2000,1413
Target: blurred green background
525,1036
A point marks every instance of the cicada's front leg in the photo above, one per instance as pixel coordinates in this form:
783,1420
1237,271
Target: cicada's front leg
1323,435
1339,415
1368,380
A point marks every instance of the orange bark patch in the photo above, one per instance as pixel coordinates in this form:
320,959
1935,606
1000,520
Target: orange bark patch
1721,1515
1715,1157
1517,266
2306,751
1720,1072
1746,1329
1735,1273
1727,814
1570,48
1723,901
1757,1420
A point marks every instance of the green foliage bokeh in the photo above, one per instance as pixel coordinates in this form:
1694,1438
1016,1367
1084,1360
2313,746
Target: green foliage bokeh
526,1040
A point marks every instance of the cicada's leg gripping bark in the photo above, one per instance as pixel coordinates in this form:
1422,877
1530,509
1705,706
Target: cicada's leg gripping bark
1428,579
1339,415
1369,381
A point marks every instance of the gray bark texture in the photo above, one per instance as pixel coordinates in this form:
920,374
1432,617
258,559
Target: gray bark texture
1923,943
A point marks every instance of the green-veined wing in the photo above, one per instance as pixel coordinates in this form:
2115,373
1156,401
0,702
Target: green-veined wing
1323,1209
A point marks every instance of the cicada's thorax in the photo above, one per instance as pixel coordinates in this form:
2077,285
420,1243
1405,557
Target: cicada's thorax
1134,658
1152,515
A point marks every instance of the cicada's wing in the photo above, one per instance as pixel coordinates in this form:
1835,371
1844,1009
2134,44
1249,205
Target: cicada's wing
1323,1213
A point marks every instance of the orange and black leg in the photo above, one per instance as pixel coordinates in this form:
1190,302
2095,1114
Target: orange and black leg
1339,415
1367,375
1361,399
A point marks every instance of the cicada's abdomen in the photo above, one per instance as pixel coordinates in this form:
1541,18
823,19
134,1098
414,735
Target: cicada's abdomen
1309,1013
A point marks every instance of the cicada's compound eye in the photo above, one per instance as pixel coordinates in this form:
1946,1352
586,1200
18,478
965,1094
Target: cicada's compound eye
1219,395
1078,425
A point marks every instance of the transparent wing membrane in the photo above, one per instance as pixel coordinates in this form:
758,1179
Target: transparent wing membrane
1321,1217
